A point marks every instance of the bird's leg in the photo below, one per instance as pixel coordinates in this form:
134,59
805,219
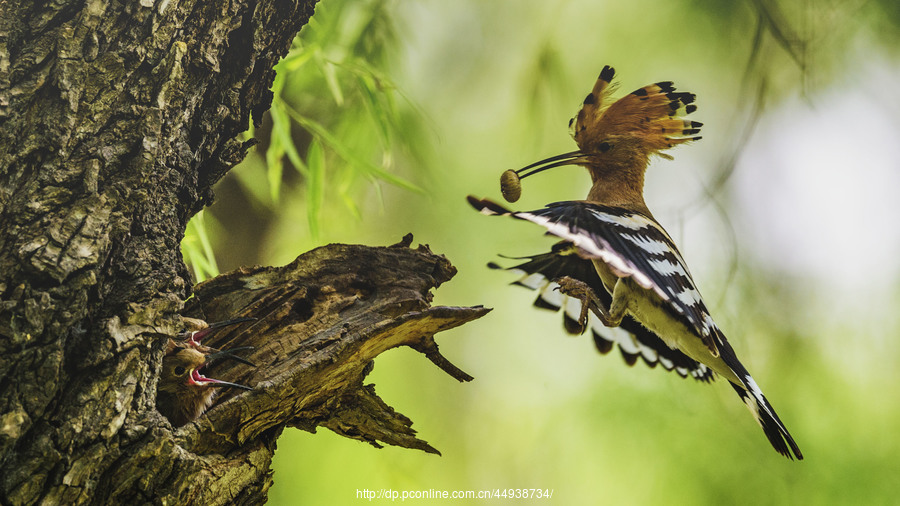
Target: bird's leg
620,297
582,291
609,316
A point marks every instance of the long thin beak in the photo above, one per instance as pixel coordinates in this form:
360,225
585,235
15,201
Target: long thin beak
230,354
199,379
221,384
571,158
511,180
200,334
226,323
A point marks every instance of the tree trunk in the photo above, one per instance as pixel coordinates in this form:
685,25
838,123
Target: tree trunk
116,118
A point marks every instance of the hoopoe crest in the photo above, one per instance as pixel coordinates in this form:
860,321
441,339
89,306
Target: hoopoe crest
616,270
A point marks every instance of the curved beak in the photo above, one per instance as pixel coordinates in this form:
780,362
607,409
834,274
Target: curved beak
199,379
230,354
571,158
197,335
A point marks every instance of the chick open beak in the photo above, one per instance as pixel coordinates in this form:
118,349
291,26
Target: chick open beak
198,379
194,337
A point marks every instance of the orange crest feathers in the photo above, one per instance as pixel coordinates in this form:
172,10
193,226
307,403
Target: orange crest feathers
651,114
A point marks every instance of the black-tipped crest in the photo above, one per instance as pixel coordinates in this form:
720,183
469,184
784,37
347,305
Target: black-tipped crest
649,114
607,74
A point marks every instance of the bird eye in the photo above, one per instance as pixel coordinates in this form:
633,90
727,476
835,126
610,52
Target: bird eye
180,370
604,147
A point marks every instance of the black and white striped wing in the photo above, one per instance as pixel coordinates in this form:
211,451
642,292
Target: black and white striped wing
631,245
634,340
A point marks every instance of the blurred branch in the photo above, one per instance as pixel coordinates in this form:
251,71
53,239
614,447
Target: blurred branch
777,24
754,84
753,77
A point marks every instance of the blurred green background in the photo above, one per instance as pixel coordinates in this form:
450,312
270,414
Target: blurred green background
389,113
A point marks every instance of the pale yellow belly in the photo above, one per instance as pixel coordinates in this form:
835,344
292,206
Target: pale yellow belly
649,309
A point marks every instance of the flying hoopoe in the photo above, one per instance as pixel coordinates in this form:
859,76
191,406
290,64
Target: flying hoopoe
616,269
184,393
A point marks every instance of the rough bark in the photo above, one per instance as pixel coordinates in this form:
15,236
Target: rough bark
116,118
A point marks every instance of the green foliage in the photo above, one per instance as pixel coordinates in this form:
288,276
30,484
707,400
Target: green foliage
340,54
197,249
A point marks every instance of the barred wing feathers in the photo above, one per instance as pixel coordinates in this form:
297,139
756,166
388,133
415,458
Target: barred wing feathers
635,246
632,245
539,273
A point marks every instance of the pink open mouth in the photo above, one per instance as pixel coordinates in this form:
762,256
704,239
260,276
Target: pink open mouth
198,379
194,340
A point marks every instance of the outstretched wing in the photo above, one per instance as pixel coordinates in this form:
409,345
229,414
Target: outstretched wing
631,245
539,273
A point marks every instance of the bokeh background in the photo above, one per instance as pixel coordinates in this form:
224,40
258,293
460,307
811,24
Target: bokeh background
389,113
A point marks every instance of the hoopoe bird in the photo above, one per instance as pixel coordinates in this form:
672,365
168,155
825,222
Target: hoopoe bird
616,269
184,393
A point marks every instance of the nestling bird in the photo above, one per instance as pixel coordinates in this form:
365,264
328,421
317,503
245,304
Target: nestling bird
184,393
616,269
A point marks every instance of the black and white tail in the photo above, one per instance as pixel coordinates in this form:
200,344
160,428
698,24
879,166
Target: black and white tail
766,417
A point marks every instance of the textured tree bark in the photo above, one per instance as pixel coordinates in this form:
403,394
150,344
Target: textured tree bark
116,118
